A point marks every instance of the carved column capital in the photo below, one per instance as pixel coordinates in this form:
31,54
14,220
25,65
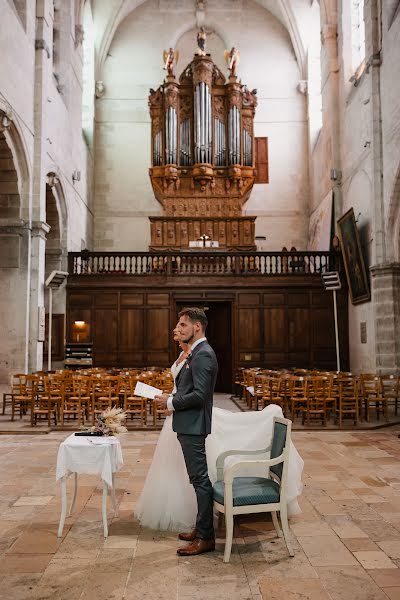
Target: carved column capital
79,35
100,89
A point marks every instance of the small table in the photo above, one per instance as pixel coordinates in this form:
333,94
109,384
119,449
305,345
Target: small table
90,455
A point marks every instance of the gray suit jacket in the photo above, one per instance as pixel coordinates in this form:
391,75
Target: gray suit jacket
193,399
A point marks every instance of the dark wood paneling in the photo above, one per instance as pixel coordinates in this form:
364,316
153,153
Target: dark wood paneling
249,328
130,330
273,299
159,299
129,299
105,341
157,358
106,299
298,298
322,328
275,323
158,334
78,299
299,330
249,299
320,298
275,339
57,337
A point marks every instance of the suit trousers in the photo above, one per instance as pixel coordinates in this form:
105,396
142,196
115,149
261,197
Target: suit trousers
194,452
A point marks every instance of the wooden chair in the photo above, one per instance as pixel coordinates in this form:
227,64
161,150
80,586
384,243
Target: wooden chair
26,395
105,394
298,394
346,404
371,395
47,402
247,387
272,392
390,388
135,406
318,402
234,495
76,403
9,397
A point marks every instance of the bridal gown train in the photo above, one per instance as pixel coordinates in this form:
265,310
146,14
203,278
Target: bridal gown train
168,501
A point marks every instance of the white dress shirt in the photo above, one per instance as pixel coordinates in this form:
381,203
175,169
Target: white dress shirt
170,406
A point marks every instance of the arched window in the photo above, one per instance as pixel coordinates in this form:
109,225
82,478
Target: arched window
88,83
357,33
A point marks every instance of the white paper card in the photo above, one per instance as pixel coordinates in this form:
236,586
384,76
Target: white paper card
146,391
103,440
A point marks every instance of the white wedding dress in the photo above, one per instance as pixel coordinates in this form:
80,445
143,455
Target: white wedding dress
168,501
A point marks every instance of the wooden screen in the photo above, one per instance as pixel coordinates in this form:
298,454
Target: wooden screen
261,160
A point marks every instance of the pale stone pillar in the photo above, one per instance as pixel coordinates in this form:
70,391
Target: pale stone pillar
330,75
38,248
386,298
43,71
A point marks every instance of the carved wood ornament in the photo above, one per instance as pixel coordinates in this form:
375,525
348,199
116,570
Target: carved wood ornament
202,157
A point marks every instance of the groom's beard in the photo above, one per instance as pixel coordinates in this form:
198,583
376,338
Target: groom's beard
189,339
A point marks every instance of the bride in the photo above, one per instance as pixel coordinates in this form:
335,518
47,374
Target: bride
168,501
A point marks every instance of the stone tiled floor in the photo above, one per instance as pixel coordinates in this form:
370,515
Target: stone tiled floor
347,539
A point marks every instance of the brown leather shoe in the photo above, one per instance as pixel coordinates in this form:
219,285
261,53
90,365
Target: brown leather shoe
188,537
198,546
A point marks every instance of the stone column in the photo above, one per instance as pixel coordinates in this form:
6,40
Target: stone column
38,249
329,41
43,70
386,299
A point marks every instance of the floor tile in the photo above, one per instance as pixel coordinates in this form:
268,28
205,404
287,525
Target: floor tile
24,563
391,548
386,577
33,500
393,593
326,551
372,559
302,589
349,583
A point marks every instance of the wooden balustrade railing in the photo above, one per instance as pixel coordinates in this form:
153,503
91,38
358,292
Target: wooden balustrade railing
203,263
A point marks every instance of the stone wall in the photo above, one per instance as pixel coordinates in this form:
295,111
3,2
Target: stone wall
40,93
361,139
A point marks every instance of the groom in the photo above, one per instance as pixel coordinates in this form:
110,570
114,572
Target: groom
192,409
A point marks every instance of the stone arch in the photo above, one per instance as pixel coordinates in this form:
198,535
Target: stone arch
15,246
393,221
57,219
14,162
10,202
119,12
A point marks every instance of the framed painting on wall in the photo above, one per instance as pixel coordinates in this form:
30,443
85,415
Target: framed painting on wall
353,259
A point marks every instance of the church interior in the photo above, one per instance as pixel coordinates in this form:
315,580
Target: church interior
240,156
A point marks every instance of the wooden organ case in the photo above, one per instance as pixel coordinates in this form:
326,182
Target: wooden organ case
202,158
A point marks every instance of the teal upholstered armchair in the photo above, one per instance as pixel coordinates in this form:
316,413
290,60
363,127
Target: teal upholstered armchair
235,495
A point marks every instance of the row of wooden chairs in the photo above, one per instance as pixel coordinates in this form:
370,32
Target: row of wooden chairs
84,395
318,395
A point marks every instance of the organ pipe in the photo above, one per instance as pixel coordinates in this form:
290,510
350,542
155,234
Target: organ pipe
171,136
234,135
203,123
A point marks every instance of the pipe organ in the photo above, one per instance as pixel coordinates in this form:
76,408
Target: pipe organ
202,155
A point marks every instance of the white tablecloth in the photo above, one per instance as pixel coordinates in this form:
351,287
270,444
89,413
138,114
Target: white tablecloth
91,455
